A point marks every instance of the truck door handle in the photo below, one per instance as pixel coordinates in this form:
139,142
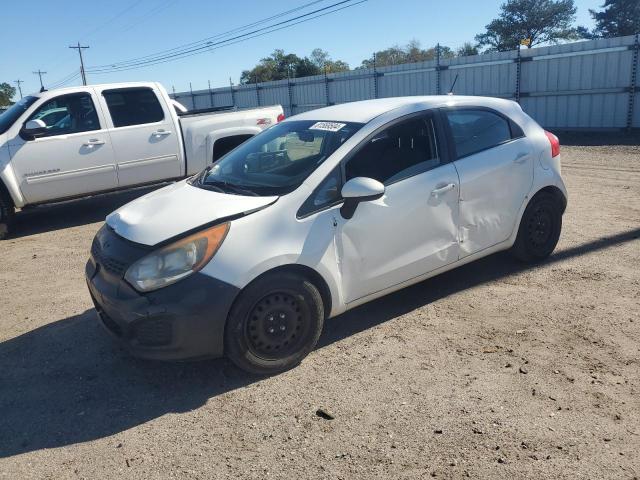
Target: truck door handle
161,133
93,142
521,158
442,189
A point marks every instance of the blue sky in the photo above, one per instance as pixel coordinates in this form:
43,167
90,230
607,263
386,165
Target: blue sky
36,34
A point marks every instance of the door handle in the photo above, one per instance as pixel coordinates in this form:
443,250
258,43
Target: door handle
161,133
93,142
442,189
521,158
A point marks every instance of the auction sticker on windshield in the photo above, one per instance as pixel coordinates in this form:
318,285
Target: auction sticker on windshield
327,126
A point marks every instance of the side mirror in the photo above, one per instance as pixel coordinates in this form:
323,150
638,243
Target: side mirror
359,189
33,128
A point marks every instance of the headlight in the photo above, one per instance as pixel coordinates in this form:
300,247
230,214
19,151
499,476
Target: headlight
177,260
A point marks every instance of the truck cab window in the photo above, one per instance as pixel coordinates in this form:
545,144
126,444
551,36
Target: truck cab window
133,106
73,113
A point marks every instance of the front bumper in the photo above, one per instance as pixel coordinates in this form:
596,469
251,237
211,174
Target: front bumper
182,321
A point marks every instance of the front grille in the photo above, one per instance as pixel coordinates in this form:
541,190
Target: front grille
153,332
110,264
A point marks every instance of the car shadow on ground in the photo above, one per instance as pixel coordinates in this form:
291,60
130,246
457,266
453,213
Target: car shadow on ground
67,383
73,213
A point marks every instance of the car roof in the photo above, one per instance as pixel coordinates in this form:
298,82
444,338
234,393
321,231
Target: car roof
366,110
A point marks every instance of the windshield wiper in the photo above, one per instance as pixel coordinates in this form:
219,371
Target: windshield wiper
227,187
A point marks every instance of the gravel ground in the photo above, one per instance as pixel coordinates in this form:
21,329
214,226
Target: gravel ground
494,370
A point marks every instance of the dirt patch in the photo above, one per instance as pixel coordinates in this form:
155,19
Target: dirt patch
494,370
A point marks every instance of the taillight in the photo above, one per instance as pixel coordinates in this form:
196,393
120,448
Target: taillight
555,144
281,117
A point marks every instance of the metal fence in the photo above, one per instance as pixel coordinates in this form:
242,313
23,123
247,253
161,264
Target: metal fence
582,85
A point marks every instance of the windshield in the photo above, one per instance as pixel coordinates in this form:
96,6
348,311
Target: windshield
278,160
11,115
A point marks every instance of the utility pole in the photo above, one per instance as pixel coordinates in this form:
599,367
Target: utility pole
19,87
40,73
82,72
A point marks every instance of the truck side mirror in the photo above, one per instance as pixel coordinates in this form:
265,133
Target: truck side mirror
33,129
359,189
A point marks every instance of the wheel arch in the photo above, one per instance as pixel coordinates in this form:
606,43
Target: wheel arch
4,193
550,189
555,192
305,271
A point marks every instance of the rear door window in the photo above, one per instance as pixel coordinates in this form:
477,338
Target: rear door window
133,106
476,130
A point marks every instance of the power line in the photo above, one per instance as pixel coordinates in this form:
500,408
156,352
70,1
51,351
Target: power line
40,73
223,34
19,87
111,20
80,48
235,42
129,64
230,43
198,44
64,81
144,18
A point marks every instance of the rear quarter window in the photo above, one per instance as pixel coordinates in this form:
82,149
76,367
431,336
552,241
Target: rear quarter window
476,130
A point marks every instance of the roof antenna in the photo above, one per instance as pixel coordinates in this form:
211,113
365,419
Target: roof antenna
453,85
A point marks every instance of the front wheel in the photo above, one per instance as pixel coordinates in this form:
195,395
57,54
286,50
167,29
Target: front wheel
275,322
539,229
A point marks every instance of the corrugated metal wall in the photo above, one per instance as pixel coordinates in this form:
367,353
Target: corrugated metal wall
582,85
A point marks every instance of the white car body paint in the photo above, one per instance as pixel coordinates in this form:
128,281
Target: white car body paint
423,225
144,220
53,168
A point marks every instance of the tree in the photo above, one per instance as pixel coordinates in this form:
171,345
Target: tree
321,59
467,49
410,53
618,18
6,94
280,65
539,21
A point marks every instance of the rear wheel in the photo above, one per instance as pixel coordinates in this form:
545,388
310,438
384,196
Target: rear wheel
6,215
539,229
275,322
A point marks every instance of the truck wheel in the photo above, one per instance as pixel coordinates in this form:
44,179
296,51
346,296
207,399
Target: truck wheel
275,322
539,229
6,216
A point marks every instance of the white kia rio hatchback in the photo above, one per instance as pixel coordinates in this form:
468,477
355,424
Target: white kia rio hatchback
318,214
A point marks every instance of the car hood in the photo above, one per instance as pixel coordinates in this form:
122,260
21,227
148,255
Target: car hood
176,209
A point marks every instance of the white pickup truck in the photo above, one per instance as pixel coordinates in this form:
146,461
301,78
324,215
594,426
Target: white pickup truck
79,141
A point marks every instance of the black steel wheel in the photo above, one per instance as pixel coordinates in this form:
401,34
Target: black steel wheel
539,228
275,322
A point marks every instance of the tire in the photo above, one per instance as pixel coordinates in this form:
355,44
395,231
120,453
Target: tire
275,323
6,216
539,229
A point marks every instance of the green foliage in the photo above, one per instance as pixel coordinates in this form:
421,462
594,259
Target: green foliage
410,53
618,18
540,21
6,94
467,49
280,65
